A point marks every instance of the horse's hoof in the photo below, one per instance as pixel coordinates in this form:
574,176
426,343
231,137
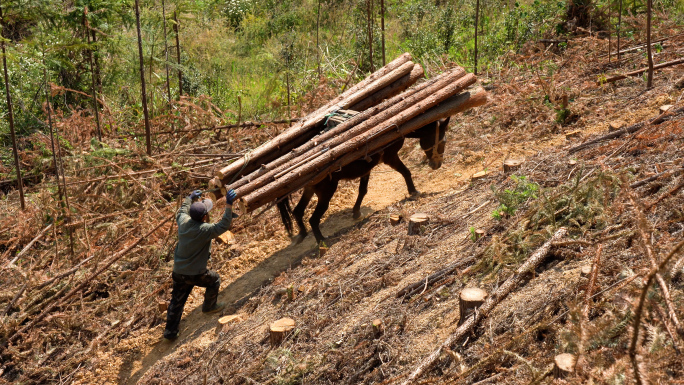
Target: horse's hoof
356,214
414,195
299,238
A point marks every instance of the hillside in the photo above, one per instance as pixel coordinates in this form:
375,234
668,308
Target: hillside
86,311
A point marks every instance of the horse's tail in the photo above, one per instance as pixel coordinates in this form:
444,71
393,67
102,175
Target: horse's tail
285,213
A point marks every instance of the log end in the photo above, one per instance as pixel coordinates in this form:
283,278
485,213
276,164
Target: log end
563,365
417,223
395,219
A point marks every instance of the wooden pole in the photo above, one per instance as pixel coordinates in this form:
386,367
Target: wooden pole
148,141
10,113
166,55
318,47
93,86
178,53
369,4
382,28
619,26
477,22
649,82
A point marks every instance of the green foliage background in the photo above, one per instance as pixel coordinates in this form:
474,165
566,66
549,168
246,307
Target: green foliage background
245,48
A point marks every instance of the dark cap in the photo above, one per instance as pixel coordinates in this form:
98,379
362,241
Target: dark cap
199,209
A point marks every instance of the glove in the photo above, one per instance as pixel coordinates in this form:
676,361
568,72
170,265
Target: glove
230,196
195,194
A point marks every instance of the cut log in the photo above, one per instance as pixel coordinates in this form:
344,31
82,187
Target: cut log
563,365
280,329
510,165
317,153
640,71
480,175
224,323
369,143
392,90
417,222
470,299
573,134
267,172
394,219
378,328
302,132
162,306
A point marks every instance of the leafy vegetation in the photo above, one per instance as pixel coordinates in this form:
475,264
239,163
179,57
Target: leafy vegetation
511,199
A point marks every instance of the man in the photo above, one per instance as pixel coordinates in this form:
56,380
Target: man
191,256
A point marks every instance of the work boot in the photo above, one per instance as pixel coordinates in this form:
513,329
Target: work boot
218,307
171,336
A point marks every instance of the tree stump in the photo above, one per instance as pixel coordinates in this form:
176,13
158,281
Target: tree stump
572,162
280,329
470,299
585,271
416,222
226,238
394,219
162,305
224,323
378,328
322,250
616,125
479,233
665,108
563,364
510,165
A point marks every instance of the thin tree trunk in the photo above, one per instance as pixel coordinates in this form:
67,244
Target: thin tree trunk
382,28
166,56
477,22
150,72
318,47
10,114
370,33
98,76
52,135
142,81
610,42
93,85
178,54
619,26
649,83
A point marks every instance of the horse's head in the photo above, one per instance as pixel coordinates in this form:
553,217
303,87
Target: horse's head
433,141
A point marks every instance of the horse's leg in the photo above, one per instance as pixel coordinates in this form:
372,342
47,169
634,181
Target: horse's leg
363,189
298,212
325,191
391,158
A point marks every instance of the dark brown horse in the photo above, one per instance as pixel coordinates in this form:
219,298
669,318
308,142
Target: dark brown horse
431,141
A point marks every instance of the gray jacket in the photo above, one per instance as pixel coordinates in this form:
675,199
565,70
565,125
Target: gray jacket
194,240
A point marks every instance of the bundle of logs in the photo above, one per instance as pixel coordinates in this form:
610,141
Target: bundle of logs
381,109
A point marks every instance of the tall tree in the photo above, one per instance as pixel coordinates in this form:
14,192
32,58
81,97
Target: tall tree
477,23
148,140
93,88
176,27
370,32
10,113
649,83
382,28
166,55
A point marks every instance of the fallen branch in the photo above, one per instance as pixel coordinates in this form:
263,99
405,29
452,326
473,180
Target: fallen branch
654,177
84,283
639,71
627,130
28,246
499,295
